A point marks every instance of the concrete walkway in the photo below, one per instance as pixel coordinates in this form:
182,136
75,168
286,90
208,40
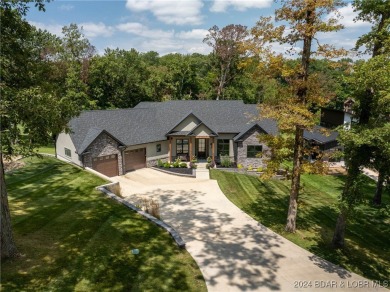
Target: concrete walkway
373,174
202,172
233,251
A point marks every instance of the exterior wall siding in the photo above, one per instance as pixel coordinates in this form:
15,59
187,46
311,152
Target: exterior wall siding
64,141
102,146
202,131
250,138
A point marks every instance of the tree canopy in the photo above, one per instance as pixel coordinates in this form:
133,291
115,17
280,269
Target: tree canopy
301,92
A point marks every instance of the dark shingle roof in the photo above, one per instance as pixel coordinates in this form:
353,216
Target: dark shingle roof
321,135
266,125
151,121
91,135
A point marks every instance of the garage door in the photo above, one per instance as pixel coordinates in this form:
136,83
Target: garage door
108,165
135,159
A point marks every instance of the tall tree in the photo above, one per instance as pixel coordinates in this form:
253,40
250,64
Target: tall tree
182,69
75,46
14,53
371,89
297,102
377,12
377,41
31,110
76,53
226,44
118,79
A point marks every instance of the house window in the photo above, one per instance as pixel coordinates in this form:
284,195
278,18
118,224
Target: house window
223,147
68,152
253,150
182,146
158,148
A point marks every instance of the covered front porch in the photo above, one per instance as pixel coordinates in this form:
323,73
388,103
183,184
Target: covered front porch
191,137
185,147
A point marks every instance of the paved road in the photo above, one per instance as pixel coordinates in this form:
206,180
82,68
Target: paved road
233,251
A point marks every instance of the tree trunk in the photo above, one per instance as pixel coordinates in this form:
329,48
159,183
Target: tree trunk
219,90
298,145
8,246
377,200
347,200
378,45
338,240
295,181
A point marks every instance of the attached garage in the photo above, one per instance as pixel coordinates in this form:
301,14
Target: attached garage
107,165
135,159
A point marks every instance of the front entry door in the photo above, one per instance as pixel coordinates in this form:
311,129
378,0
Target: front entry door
201,148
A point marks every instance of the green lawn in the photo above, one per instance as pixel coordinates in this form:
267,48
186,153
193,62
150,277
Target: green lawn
49,149
368,233
74,238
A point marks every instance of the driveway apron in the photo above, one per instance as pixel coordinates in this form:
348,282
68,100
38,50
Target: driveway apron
233,251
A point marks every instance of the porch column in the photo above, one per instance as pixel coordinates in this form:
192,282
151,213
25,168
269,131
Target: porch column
212,148
170,149
190,148
231,148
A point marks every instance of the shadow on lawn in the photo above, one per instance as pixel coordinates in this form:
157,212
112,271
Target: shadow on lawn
363,259
106,261
271,209
73,238
243,255
88,248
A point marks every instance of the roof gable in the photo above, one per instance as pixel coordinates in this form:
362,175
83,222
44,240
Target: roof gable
202,130
186,124
249,128
92,135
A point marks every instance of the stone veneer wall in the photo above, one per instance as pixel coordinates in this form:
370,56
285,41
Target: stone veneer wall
102,146
250,138
153,162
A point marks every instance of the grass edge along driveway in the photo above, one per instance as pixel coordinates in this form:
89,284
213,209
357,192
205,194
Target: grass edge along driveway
74,238
367,238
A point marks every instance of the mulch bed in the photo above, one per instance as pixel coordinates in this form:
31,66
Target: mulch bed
13,164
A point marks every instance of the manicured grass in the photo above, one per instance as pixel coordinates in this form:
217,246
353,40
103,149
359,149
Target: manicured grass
368,233
49,149
74,238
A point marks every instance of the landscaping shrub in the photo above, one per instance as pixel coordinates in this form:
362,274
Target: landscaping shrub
183,165
225,161
177,162
151,207
240,166
167,165
259,169
160,163
193,165
211,164
209,159
250,167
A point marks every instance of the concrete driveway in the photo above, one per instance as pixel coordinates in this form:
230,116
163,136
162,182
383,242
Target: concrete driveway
233,251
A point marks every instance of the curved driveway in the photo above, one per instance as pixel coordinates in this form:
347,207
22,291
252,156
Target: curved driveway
233,251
